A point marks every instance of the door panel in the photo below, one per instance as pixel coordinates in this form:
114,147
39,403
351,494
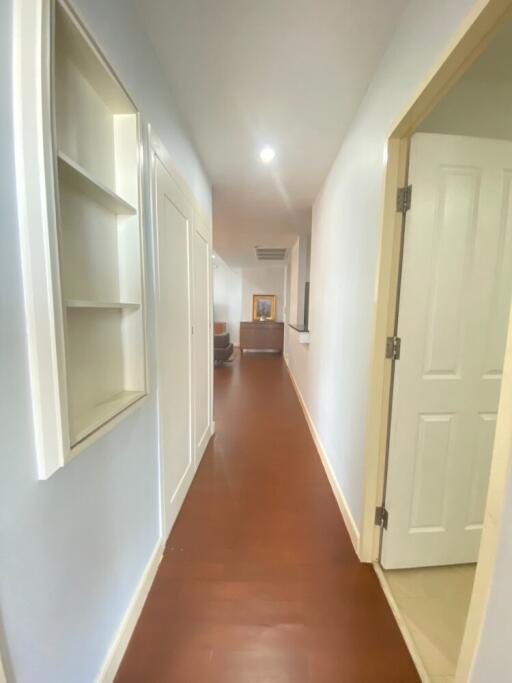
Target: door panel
454,309
202,343
451,253
432,452
174,342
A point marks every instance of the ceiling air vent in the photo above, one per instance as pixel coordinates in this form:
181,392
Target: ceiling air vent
270,254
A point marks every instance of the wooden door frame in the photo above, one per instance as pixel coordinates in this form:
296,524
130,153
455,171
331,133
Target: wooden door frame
470,40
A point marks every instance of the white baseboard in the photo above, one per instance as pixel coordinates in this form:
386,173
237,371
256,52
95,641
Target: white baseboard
202,445
127,625
352,529
172,509
404,629
209,432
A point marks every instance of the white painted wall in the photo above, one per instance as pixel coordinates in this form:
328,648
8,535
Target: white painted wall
74,547
263,280
233,290
333,372
227,297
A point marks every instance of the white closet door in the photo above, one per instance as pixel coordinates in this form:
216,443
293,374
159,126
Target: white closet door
174,219
202,344
454,309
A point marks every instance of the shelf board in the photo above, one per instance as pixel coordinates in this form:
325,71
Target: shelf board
84,182
96,416
78,303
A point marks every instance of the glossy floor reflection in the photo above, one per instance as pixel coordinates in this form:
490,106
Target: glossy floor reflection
259,582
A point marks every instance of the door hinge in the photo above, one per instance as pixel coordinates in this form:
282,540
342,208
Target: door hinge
403,199
393,345
381,517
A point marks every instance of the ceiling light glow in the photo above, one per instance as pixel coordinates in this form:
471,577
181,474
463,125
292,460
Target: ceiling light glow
267,154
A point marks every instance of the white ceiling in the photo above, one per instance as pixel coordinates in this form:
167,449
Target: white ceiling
289,73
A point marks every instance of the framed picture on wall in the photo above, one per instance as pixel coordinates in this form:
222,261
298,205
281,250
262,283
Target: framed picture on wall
264,307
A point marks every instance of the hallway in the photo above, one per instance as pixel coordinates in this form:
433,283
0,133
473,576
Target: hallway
259,582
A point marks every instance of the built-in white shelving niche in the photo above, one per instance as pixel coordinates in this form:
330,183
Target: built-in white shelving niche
78,165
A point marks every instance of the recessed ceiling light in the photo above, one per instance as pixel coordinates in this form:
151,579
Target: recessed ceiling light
267,154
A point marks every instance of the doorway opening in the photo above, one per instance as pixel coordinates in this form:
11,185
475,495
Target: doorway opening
449,290
455,295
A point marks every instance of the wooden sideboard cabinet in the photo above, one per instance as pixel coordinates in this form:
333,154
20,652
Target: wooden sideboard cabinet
261,336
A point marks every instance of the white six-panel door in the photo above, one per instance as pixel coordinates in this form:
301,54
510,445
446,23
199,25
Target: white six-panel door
454,308
174,342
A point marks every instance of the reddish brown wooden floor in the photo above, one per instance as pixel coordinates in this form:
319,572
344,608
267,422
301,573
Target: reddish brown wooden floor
259,582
